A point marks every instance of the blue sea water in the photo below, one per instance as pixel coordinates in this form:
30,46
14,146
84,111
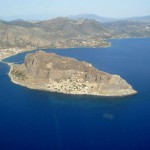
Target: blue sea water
39,120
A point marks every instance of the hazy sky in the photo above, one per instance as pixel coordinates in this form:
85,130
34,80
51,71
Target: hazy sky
52,8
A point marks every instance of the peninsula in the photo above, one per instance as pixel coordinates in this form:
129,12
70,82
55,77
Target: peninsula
51,72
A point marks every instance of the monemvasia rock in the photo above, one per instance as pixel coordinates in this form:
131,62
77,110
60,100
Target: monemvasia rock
51,72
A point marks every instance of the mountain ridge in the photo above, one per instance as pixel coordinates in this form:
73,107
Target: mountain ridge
66,33
107,19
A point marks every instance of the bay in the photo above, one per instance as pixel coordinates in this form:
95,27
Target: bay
33,119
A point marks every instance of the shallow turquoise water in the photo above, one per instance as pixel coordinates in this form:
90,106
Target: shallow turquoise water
33,119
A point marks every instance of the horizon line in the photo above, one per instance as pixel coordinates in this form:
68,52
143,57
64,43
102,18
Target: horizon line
42,17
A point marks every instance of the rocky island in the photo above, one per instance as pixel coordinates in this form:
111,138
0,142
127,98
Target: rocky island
51,72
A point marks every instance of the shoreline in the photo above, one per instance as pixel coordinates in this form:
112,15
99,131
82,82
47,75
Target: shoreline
16,53
34,86
121,38
34,49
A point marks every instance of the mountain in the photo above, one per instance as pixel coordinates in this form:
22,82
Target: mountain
91,17
63,33
67,28
21,22
127,28
58,32
15,36
3,21
144,19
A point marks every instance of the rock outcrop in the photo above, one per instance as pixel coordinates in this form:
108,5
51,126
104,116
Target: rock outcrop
48,71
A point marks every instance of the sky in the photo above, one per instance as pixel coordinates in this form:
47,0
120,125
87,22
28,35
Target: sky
43,9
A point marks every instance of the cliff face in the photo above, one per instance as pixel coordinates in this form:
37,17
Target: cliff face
45,66
67,75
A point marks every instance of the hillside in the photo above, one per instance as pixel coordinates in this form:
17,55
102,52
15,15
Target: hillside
126,28
63,33
59,32
92,17
142,19
15,36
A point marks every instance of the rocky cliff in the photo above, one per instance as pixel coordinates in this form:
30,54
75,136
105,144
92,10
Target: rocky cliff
48,71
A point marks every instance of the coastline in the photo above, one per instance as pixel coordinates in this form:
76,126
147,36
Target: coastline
57,48
58,87
10,64
127,38
17,51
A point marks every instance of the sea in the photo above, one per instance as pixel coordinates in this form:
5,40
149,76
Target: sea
41,120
